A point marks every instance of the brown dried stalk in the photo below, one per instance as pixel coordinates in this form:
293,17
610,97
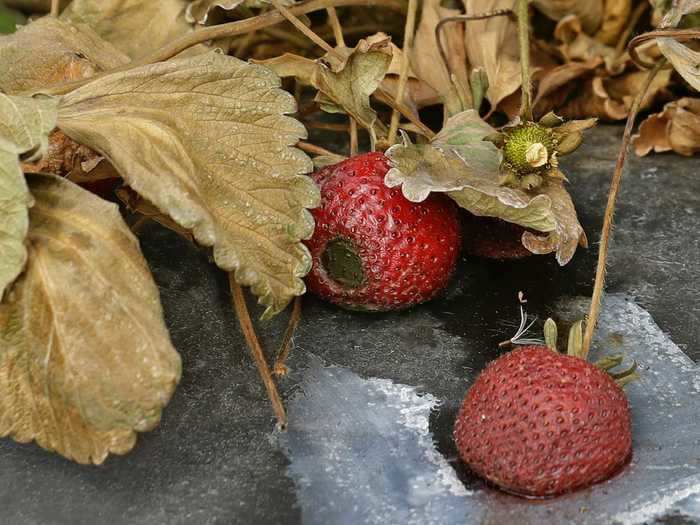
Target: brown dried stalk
594,311
280,368
409,30
241,308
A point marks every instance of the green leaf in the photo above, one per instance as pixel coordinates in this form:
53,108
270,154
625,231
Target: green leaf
50,51
24,127
85,357
206,140
9,19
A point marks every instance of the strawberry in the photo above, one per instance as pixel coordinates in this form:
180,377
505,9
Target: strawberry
372,248
493,238
540,423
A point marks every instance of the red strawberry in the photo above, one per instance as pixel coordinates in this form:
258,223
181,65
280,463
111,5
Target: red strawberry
493,238
372,248
540,423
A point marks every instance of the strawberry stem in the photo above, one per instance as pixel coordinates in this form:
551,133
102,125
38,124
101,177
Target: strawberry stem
523,14
280,369
409,30
257,351
594,311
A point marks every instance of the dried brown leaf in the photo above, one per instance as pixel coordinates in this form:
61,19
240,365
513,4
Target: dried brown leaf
675,128
590,12
85,357
136,27
207,141
50,51
24,127
615,20
426,59
492,45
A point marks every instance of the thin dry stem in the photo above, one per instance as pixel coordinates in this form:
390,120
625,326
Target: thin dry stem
224,31
254,345
522,11
353,137
337,28
55,7
307,32
594,311
280,367
682,35
631,24
409,30
313,148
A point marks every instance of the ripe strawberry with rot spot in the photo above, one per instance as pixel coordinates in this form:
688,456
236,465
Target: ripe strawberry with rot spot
540,423
372,248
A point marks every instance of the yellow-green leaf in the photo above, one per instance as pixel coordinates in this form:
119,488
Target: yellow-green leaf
50,51
85,357
207,141
24,127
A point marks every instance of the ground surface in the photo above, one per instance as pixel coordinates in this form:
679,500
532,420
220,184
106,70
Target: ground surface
214,458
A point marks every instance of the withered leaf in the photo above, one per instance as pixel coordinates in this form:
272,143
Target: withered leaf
24,127
85,357
675,128
344,85
50,51
684,60
198,11
426,59
590,12
567,234
207,141
466,167
492,45
136,27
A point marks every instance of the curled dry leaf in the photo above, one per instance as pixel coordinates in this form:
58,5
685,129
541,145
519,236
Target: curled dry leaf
577,45
589,12
85,358
50,51
24,127
344,85
492,45
428,64
136,27
615,21
610,98
417,93
684,60
62,156
197,12
207,141
675,128
460,163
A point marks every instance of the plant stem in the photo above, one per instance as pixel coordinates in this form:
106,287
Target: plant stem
280,368
594,311
254,345
224,31
55,8
409,30
353,137
313,148
337,28
524,40
307,32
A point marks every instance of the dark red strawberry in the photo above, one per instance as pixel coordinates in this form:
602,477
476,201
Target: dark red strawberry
540,423
372,248
493,238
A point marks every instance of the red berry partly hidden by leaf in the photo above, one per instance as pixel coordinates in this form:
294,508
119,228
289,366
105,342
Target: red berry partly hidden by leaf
373,249
540,423
493,238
